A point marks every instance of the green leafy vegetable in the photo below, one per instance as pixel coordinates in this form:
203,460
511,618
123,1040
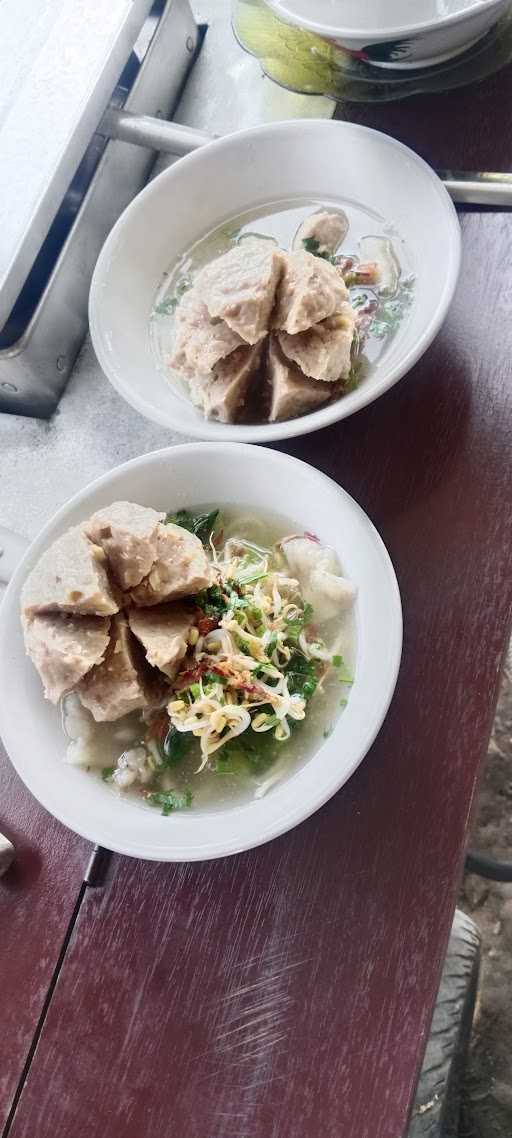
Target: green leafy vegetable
311,245
170,801
212,602
107,773
175,747
250,752
302,676
202,525
230,761
271,680
213,678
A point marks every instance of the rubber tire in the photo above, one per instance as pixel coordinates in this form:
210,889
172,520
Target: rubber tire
436,1109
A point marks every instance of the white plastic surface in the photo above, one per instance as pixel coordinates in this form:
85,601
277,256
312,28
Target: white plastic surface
61,60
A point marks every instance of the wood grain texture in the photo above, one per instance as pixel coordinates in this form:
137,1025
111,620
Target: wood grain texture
461,130
287,992
37,897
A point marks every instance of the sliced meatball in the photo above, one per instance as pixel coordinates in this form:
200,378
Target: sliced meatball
127,533
122,682
64,648
69,577
224,394
240,287
163,632
326,228
310,291
180,570
324,351
200,342
292,392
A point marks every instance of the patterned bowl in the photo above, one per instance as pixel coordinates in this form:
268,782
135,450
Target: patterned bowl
303,61
389,35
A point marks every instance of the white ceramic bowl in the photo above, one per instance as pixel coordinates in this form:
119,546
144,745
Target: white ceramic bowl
396,33
325,161
234,475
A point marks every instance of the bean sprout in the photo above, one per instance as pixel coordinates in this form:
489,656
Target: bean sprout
254,659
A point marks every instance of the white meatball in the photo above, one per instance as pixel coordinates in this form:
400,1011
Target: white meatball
317,569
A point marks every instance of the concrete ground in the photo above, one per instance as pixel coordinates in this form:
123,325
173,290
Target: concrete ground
487,1110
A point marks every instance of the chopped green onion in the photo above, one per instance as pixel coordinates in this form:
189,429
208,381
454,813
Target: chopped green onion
166,306
170,801
213,678
297,624
344,674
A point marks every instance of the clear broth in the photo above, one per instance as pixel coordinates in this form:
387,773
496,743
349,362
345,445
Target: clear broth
280,221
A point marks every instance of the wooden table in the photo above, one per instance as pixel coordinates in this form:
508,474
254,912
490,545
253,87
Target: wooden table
287,992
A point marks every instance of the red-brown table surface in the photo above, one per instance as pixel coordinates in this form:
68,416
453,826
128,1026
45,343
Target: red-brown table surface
37,900
467,129
288,991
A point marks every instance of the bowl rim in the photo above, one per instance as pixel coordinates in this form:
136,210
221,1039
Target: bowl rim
300,811
342,408
378,34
